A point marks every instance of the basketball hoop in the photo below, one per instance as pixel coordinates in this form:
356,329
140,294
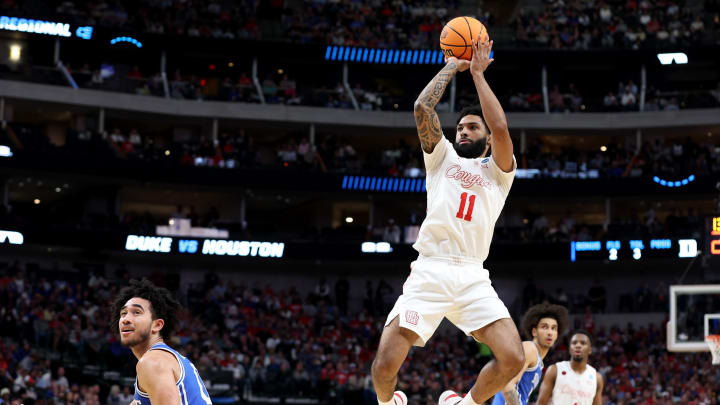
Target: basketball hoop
713,342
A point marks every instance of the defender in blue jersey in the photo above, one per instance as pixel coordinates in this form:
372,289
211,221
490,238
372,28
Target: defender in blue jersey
145,315
543,323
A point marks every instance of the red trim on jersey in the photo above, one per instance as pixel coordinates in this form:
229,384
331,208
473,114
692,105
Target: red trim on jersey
398,395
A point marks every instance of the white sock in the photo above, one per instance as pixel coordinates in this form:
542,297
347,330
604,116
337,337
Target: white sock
468,400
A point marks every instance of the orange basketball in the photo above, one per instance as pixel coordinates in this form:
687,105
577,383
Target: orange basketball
457,35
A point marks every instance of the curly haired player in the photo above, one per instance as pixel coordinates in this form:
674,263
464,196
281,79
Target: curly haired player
542,323
145,315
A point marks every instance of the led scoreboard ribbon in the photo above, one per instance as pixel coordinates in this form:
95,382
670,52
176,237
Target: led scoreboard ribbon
714,236
214,247
52,28
613,250
386,56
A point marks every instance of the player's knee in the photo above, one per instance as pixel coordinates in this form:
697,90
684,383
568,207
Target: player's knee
383,368
512,360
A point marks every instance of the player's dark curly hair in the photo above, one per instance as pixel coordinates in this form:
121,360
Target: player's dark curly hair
537,312
162,305
471,110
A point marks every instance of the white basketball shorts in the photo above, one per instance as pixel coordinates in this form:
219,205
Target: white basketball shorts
456,289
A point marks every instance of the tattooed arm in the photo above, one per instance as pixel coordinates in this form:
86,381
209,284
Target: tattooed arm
426,119
512,397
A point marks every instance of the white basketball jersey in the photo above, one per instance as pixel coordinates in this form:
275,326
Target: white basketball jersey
573,388
464,199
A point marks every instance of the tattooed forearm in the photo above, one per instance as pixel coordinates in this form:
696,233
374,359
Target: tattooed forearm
512,397
432,93
426,119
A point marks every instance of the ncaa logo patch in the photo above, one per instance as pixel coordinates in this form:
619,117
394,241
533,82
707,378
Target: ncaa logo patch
412,317
485,160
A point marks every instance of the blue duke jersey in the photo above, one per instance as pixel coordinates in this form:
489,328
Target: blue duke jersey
191,387
528,382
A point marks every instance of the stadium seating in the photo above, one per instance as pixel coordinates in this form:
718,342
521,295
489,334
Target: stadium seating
258,343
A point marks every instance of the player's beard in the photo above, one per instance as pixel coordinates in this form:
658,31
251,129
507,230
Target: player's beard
472,150
578,359
140,337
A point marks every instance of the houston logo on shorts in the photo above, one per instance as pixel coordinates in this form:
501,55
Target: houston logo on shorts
412,317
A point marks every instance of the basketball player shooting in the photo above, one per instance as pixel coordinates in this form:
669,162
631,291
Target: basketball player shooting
465,194
145,315
573,382
543,323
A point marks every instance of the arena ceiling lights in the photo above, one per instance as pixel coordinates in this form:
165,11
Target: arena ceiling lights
668,58
11,237
5,151
126,39
676,183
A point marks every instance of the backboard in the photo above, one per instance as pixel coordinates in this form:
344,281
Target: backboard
694,314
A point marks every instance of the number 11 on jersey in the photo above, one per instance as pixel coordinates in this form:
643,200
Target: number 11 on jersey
471,204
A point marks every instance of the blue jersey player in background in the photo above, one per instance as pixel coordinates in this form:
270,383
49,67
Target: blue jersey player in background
145,315
544,323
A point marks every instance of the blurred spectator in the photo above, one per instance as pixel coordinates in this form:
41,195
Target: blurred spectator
135,73
391,233
322,291
560,297
342,292
556,100
114,396
587,24
610,102
628,100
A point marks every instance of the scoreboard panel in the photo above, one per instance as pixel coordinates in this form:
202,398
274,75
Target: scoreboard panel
633,249
713,236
